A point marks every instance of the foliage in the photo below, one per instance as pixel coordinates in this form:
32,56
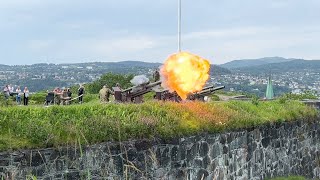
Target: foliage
214,97
255,100
37,98
6,102
228,93
90,98
38,126
3,101
305,95
282,99
149,96
110,79
289,178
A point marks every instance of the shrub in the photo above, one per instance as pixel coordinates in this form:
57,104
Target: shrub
214,97
255,100
110,79
37,98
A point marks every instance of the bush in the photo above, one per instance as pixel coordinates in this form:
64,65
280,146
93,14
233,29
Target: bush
214,97
6,102
283,99
255,100
37,98
305,95
110,79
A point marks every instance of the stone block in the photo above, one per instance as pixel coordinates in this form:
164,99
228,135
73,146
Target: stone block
223,138
143,145
204,148
202,174
165,157
175,153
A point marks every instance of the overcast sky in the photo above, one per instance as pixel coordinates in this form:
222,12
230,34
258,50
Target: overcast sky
70,31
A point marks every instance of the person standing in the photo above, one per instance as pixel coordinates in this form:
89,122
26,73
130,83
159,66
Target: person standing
104,94
26,96
18,96
57,96
81,93
11,89
6,92
69,93
156,75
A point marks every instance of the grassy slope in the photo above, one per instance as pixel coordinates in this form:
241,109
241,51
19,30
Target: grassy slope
289,178
37,126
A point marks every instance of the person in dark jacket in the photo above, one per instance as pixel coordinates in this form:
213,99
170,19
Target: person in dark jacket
69,93
81,93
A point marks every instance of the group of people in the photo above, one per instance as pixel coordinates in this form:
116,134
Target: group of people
63,96
9,90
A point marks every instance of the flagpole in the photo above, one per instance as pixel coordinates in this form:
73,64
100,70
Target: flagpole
179,25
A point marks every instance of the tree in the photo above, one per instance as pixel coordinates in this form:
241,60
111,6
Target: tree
110,79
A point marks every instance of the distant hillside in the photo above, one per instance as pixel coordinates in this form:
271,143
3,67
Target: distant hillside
44,76
253,62
289,66
217,70
115,67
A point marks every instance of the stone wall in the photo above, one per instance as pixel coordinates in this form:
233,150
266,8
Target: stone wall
267,151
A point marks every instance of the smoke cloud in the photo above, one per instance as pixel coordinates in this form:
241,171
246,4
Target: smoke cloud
140,79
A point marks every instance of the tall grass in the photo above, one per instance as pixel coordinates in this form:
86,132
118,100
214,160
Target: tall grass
289,178
32,127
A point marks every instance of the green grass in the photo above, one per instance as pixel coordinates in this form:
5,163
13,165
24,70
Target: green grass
289,178
37,126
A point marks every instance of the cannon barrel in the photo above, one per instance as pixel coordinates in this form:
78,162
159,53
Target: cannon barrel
210,90
150,85
147,85
147,88
128,89
208,87
140,93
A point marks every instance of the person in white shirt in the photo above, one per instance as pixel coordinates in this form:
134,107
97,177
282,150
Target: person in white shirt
26,96
11,89
18,96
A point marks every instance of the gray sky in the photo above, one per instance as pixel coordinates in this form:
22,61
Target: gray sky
69,31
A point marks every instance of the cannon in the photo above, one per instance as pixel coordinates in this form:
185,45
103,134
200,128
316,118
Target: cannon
200,96
133,94
166,95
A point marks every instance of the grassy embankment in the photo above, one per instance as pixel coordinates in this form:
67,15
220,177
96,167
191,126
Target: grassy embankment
37,126
289,178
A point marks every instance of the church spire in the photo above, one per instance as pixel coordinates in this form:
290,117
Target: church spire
269,92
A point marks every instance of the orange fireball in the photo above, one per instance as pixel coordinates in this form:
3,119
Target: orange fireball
185,73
